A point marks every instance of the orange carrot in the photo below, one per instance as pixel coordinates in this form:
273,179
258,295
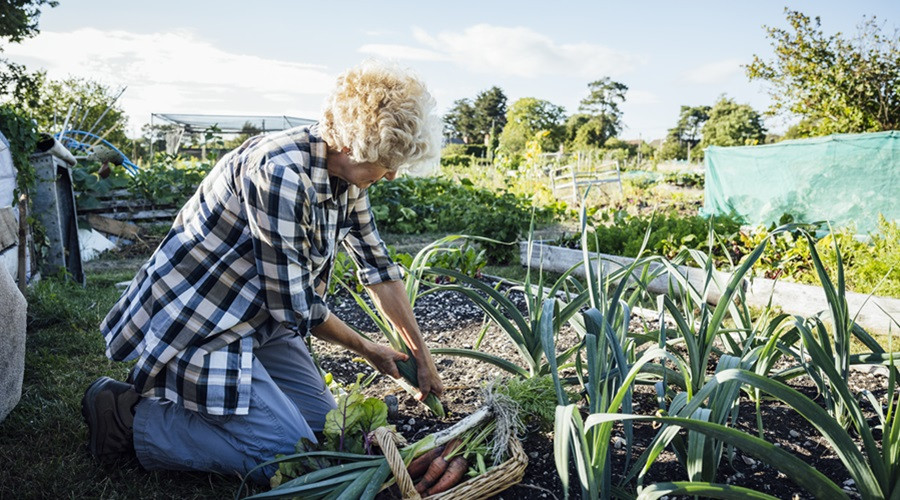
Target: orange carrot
438,466
451,477
434,472
418,466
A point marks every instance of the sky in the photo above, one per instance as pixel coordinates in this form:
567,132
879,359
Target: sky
269,57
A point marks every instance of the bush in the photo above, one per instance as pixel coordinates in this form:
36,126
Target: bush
455,160
476,150
427,204
170,181
685,179
622,234
866,263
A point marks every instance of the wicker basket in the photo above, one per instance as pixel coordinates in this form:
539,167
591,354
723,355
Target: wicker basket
490,483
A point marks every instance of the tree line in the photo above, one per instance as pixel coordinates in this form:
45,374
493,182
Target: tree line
826,84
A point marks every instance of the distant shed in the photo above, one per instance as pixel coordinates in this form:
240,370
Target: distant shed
847,179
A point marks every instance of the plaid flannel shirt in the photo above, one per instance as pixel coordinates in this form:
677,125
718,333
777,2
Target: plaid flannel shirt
249,247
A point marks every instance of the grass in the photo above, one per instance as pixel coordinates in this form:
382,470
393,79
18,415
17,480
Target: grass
43,448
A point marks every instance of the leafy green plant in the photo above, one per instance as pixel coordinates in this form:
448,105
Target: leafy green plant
414,205
869,266
22,135
465,258
414,277
350,426
521,328
170,180
685,179
618,233
535,397
90,187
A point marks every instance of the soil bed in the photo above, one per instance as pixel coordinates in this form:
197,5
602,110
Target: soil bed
448,319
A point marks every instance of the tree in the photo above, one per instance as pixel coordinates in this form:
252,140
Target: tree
732,124
604,98
18,21
459,122
573,124
682,139
528,116
594,133
490,112
93,103
599,117
833,84
471,121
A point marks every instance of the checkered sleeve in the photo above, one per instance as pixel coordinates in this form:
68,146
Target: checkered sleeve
279,218
366,248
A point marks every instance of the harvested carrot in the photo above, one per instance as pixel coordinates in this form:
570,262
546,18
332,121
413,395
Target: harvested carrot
451,447
438,466
451,477
433,474
418,466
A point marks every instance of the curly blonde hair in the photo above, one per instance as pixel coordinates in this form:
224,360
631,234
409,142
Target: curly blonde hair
383,114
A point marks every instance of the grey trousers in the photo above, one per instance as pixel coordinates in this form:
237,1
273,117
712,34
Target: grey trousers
288,401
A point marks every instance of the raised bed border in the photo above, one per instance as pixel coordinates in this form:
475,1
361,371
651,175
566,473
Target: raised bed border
872,312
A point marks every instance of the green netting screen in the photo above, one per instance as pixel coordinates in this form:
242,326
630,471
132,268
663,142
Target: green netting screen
846,179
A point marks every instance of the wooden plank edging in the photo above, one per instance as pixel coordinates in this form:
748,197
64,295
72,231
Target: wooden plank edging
792,298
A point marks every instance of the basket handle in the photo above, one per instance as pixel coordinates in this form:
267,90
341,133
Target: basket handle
386,440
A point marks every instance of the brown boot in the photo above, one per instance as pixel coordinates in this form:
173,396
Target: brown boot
108,410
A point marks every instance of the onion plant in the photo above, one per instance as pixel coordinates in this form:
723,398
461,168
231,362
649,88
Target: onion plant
590,445
698,334
521,328
875,469
835,344
412,281
609,353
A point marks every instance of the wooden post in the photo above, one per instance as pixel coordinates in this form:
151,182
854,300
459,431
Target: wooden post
553,180
575,186
23,242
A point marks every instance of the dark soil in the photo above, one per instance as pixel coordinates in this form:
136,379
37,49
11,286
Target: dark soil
448,319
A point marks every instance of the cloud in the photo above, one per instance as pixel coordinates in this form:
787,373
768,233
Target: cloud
714,73
402,52
172,71
518,51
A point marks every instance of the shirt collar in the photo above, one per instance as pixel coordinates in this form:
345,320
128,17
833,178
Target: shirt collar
318,165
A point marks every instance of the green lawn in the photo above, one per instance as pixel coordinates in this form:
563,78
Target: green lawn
43,448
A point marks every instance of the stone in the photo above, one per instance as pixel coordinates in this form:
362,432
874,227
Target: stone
393,406
13,309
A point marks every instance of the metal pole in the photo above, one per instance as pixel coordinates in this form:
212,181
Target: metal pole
62,133
102,115
152,132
